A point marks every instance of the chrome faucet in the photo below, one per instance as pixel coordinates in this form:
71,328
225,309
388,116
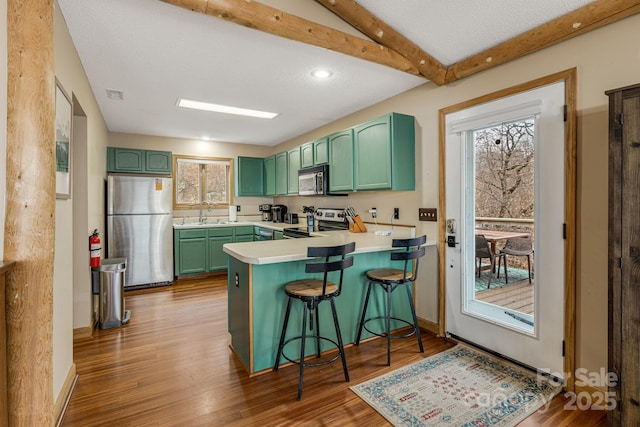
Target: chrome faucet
203,219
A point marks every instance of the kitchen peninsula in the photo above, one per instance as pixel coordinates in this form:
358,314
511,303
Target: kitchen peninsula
258,271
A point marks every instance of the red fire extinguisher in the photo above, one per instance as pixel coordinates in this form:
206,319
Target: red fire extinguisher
94,249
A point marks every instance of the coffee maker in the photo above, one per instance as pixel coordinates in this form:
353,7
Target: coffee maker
267,215
279,212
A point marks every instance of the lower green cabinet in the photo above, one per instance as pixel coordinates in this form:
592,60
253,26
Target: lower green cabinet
200,250
277,235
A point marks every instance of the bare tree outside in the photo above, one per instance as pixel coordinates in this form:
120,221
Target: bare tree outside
505,170
213,175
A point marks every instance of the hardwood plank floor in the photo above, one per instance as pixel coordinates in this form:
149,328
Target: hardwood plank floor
171,366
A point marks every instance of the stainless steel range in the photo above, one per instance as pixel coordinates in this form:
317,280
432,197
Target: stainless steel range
328,219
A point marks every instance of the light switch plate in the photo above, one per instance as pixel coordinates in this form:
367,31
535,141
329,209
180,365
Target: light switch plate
428,214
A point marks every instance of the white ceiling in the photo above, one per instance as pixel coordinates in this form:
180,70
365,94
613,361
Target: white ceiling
156,52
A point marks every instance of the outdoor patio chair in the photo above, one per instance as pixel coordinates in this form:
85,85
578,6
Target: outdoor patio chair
517,246
483,250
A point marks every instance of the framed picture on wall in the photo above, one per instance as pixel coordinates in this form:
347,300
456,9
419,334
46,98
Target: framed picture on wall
63,143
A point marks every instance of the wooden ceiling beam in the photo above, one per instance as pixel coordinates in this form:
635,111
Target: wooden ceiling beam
255,15
580,21
371,26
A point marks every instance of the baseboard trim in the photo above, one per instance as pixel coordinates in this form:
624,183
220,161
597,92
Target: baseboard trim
597,396
429,325
65,394
82,333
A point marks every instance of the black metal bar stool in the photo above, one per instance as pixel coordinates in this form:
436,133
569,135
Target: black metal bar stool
312,292
390,279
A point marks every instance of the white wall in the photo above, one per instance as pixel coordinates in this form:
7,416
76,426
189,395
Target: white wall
71,289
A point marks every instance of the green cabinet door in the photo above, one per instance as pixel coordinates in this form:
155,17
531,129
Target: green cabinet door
125,160
293,165
277,235
190,247
270,176
321,151
281,173
157,162
217,257
341,161
372,149
384,154
306,155
249,176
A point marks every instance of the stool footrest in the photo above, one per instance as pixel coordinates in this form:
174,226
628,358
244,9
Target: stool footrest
314,337
384,334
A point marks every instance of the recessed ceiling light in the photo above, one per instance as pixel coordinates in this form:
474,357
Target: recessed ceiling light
115,94
205,106
321,74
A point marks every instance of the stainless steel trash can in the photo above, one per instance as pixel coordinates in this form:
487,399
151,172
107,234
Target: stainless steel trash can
111,312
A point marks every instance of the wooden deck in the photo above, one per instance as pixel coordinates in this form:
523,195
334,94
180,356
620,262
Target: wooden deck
515,296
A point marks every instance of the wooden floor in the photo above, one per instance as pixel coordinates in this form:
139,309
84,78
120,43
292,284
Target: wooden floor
172,366
517,296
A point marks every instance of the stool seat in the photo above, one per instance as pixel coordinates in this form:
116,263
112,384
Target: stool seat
310,288
388,275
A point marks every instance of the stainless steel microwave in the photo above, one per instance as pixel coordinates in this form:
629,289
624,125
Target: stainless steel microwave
313,181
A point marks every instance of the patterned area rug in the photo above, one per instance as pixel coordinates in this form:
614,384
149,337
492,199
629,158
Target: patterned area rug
458,387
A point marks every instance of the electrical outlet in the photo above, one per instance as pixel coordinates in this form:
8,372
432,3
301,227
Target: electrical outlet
373,212
237,208
428,214
396,213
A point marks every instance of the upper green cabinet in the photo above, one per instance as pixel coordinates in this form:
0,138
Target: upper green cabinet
306,155
321,151
293,165
138,161
270,176
341,161
282,171
249,176
384,154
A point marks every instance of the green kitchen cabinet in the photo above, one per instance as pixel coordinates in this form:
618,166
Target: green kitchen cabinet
249,176
277,235
321,151
341,161
270,176
200,250
190,251
239,306
384,153
293,165
157,162
138,161
282,174
243,233
306,155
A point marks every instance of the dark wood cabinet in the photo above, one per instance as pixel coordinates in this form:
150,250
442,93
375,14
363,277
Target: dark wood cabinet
624,254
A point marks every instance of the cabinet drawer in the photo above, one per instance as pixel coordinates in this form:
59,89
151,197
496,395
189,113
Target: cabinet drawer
220,231
192,234
244,230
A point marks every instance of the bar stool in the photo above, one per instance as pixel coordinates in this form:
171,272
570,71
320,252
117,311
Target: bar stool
390,279
312,292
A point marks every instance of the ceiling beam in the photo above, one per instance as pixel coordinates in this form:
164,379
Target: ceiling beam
371,26
258,16
580,21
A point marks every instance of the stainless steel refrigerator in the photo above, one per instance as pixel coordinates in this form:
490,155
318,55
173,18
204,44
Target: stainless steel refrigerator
140,229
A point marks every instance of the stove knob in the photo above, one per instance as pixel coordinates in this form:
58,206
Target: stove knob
319,213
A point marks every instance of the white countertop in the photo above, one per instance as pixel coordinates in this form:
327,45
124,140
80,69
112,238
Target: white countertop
279,226
274,251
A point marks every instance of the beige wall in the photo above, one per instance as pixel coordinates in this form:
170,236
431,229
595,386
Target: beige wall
606,58
72,283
